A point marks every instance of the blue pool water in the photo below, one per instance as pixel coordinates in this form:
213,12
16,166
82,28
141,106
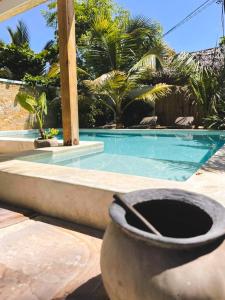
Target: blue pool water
174,155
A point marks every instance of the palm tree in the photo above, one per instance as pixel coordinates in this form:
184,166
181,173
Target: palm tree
204,84
117,90
114,46
124,52
20,36
206,89
121,52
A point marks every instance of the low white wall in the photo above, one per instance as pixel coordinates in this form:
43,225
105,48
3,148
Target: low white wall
13,145
72,202
53,190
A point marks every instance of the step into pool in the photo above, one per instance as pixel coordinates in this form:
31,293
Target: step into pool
173,155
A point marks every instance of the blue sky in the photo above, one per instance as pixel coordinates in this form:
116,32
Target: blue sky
201,32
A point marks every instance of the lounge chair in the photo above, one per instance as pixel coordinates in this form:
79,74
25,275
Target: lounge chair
146,123
184,122
107,126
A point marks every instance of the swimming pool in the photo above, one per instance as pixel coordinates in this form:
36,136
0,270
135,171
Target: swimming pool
172,155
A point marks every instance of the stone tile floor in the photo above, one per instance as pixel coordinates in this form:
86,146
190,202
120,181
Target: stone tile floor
42,258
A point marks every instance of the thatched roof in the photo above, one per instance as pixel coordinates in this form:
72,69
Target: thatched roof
210,57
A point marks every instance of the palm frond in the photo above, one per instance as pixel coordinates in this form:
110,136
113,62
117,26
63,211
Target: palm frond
23,32
104,83
48,45
141,22
20,36
150,60
42,103
105,36
11,34
186,63
152,93
54,71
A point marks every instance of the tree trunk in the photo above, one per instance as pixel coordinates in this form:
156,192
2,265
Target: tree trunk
42,133
118,121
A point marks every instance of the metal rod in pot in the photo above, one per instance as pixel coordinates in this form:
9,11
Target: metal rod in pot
133,210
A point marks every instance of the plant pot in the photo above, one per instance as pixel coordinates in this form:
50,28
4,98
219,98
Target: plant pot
43,143
186,262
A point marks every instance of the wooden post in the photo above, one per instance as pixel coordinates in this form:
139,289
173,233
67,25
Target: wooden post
68,71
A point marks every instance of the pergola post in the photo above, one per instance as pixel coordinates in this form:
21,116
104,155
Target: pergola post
68,71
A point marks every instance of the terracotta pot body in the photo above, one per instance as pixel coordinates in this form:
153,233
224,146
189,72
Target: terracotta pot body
40,143
139,265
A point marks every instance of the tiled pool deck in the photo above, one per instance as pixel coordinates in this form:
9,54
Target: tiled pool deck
44,258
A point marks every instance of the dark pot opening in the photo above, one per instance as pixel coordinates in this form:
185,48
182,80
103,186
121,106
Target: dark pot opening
174,219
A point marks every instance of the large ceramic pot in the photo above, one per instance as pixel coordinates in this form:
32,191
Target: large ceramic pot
187,262
42,143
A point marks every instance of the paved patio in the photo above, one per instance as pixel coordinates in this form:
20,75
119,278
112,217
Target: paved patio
43,258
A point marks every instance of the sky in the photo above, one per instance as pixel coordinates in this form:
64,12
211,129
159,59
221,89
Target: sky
201,32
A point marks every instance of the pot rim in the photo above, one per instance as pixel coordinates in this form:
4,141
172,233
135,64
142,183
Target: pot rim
215,210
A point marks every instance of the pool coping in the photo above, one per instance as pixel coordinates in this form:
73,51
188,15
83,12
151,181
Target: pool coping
10,143
123,131
83,196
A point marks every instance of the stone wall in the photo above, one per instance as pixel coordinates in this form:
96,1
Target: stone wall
12,116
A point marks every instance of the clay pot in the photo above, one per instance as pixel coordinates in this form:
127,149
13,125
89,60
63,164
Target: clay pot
40,143
187,262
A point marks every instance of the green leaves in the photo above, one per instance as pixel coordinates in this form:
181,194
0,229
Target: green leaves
117,90
54,71
50,133
106,83
21,35
36,106
204,84
42,103
119,44
5,73
21,60
152,60
26,101
207,89
151,93
184,63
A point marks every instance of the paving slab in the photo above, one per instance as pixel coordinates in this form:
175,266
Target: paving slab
44,258
10,215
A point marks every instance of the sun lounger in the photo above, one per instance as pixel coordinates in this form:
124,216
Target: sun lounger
184,122
146,123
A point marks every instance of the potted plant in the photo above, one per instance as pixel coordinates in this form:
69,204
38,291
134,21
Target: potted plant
37,106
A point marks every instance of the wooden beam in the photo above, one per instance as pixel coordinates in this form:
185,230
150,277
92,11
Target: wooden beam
68,71
10,8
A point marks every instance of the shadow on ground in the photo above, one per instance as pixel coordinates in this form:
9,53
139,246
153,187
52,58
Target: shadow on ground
216,164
